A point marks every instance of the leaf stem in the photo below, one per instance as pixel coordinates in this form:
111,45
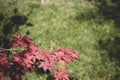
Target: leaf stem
2,49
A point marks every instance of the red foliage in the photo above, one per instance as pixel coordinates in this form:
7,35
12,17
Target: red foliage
4,65
61,74
20,41
64,55
31,58
45,61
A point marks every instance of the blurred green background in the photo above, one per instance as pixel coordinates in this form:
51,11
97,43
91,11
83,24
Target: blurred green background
91,27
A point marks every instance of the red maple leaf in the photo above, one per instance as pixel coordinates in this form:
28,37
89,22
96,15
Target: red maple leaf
64,55
46,66
61,74
46,60
42,55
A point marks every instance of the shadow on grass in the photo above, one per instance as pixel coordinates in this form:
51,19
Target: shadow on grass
112,46
42,72
10,25
110,9
106,10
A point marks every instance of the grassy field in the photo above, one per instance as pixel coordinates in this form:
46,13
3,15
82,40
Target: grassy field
76,24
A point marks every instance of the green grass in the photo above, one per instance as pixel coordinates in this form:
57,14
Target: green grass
70,24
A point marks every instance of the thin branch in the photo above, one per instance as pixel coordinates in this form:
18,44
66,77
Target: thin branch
2,49
24,35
